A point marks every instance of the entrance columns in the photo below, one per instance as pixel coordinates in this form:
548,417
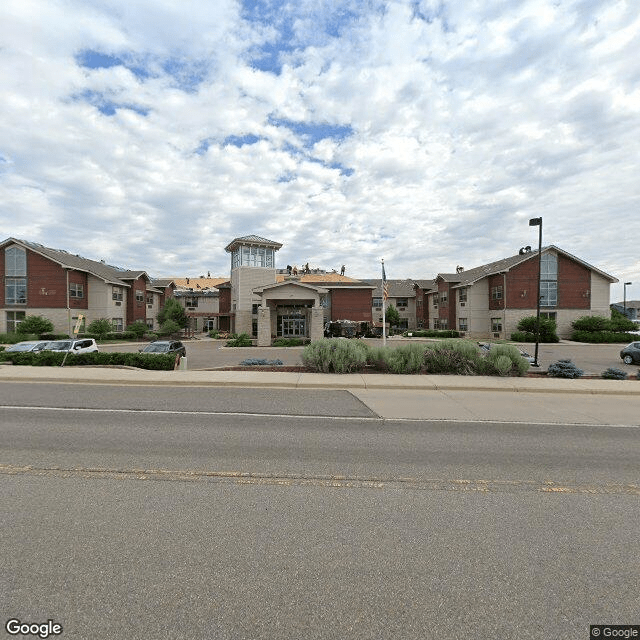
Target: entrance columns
317,324
264,326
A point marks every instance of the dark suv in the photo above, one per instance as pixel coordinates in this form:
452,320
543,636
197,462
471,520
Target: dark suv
631,353
165,346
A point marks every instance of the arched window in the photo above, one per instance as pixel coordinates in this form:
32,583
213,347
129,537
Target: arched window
15,271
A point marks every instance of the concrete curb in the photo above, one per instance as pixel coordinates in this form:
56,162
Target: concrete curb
291,380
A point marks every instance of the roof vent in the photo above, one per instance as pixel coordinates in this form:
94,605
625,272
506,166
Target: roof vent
459,269
524,250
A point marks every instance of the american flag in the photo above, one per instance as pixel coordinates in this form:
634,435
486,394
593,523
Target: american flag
385,285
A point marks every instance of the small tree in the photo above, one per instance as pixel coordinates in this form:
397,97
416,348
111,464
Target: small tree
547,328
169,327
392,316
100,327
36,325
175,312
138,327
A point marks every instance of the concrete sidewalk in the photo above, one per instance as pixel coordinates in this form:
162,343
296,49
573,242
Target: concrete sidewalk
288,380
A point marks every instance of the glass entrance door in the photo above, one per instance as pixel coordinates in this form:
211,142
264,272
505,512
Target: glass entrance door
293,327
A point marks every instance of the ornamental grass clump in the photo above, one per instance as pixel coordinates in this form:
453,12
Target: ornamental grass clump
564,369
404,359
496,358
335,355
452,357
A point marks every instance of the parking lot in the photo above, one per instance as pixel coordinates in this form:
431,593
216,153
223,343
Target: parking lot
206,353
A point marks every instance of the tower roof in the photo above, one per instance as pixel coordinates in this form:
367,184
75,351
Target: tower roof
255,241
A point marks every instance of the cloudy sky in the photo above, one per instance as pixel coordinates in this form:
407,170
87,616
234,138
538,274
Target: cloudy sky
150,133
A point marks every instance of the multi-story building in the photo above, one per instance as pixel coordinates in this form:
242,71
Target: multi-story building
491,299
61,286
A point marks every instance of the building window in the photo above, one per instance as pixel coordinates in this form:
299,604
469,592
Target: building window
191,301
550,315
419,303
117,293
14,318
402,302
377,302
15,261
252,257
462,294
149,298
117,324
462,324
139,296
496,325
15,291
444,297
76,290
444,323
548,293
435,300
324,301
436,323
150,323
496,293
254,309
549,266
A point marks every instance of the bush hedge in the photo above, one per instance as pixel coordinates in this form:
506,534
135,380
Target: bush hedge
614,374
242,340
601,337
155,361
336,355
564,369
432,333
290,342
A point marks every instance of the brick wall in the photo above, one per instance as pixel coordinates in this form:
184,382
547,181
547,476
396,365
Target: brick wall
448,310
496,281
47,283
574,284
522,284
136,309
351,304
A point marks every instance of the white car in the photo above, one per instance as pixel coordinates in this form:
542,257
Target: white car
86,345
28,345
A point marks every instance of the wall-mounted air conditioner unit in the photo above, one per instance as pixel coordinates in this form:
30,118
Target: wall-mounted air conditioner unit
118,304
463,304
496,335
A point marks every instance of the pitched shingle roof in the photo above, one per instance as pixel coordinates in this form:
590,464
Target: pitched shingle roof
470,276
397,288
106,272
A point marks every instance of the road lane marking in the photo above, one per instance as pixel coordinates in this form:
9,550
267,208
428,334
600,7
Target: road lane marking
329,481
372,418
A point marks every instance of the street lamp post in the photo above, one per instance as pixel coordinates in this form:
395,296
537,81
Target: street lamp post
625,297
537,222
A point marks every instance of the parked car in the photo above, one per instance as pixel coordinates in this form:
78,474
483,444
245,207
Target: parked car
86,345
165,346
486,346
28,345
631,353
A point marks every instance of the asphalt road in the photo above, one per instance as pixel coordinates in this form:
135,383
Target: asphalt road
211,354
226,514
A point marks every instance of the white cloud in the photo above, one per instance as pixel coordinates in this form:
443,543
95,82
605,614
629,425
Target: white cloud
466,118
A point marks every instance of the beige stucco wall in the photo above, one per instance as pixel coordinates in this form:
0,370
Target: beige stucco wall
243,281
600,296
101,302
476,309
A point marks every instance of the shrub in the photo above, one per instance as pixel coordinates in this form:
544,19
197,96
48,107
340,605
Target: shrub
156,361
432,333
35,325
591,324
13,338
447,360
602,337
335,355
614,374
215,334
100,327
517,363
138,328
251,362
407,358
168,328
547,329
523,336
289,342
242,340
564,369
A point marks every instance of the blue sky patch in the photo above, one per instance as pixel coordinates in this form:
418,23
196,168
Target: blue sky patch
241,141
106,106
313,132
91,59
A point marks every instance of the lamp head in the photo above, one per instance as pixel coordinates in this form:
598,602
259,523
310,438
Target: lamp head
535,222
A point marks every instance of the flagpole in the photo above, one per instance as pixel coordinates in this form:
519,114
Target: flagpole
384,307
